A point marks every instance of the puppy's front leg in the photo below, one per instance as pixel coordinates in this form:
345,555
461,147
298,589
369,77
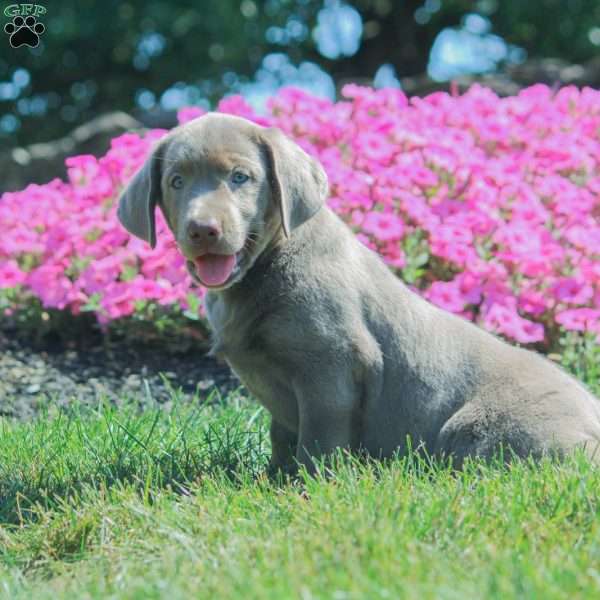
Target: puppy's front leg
327,418
283,448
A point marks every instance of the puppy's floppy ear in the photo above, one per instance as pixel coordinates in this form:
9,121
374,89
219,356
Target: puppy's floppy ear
140,197
298,182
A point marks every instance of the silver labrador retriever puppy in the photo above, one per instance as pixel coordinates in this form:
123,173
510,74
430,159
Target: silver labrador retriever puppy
317,327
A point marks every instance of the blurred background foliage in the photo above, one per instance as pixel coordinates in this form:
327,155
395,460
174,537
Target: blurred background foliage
150,57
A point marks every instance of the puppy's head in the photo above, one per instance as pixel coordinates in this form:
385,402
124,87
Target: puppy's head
225,186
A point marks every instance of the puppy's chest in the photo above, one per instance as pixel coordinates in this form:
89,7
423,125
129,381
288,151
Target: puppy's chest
235,326
239,338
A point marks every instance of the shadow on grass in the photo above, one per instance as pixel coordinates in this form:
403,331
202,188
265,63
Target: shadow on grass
54,457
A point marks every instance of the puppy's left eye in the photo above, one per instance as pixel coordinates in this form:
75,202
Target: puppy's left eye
176,182
238,177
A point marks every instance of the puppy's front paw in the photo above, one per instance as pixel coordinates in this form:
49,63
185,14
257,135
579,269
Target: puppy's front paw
282,474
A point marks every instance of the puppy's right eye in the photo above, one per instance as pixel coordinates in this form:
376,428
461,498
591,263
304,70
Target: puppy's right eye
176,182
238,177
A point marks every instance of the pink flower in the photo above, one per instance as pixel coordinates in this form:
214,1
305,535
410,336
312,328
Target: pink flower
446,295
50,285
100,273
118,300
374,146
470,286
454,234
572,290
416,208
11,275
384,226
189,113
586,237
237,105
424,178
532,302
393,255
453,243
82,168
579,319
507,321
147,289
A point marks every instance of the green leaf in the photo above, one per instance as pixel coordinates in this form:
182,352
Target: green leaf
129,272
93,303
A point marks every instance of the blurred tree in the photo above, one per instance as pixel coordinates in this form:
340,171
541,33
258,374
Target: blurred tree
101,56
567,29
151,56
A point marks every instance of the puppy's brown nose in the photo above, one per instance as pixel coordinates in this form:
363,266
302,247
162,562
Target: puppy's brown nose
204,233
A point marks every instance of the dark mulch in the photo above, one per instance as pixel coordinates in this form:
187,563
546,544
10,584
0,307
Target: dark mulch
35,373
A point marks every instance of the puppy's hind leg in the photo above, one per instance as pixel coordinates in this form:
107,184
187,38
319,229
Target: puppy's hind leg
467,433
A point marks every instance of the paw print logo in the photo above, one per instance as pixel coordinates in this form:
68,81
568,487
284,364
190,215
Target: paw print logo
24,32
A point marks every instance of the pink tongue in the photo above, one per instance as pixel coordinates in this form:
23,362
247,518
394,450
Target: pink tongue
214,269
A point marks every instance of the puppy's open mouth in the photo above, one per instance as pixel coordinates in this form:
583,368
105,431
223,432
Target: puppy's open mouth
215,270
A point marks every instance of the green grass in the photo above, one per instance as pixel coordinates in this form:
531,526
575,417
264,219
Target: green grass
110,503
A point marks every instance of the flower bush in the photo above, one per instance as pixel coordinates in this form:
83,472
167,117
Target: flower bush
488,206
